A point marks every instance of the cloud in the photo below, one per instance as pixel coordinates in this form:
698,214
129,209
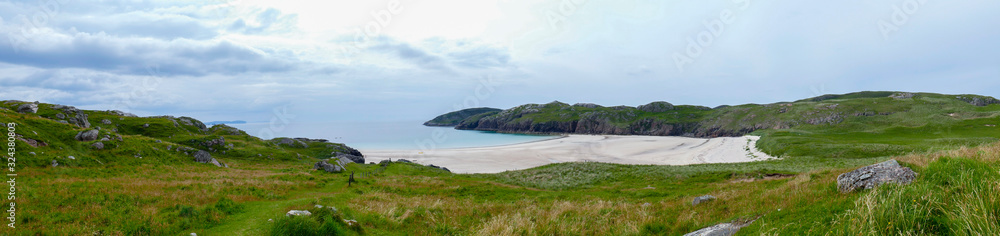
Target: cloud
133,55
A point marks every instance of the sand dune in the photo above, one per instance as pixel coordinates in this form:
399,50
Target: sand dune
657,150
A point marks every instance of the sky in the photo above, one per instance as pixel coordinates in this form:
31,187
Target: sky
382,60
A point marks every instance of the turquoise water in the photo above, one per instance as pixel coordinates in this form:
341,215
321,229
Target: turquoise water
388,135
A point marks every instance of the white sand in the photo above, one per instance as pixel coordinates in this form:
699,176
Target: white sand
656,150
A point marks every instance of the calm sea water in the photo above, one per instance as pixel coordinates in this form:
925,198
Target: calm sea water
387,135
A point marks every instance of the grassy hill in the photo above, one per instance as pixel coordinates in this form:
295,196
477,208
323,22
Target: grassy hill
140,184
453,118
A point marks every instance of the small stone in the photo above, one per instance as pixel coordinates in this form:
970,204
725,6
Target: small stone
106,121
98,145
71,157
701,199
298,213
32,153
55,163
145,125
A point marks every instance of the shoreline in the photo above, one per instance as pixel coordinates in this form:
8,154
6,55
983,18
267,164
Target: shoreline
620,149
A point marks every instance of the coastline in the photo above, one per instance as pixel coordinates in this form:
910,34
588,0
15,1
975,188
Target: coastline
620,149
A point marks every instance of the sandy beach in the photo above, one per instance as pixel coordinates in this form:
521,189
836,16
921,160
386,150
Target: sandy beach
656,150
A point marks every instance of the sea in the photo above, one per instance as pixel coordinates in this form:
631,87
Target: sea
393,135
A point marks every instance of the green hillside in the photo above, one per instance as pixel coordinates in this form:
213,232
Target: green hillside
453,118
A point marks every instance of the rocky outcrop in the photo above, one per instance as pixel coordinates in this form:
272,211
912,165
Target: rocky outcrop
290,142
352,158
72,115
874,175
979,100
31,108
701,199
349,151
901,95
98,145
587,105
87,135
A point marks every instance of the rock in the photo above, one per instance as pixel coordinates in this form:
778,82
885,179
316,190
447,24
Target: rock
901,95
60,116
319,206
291,142
55,163
724,229
404,161
145,125
106,121
874,175
28,108
205,157
75,116
221,141
348,150
194,234
121,113
587,105
298,213
98,145
701,199
88,135
659,106
326,166
353,158
438,167
71,157
32,153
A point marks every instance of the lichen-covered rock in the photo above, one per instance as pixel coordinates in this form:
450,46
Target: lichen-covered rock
98,145
87,136
901,95
28,108
701,199
298,213
874,175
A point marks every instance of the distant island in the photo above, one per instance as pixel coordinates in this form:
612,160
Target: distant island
225,122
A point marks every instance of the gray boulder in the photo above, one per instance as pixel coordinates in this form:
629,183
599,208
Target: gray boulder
28,108
106,121
98,145
874,175
55,163
352,158
88,135
326,166
60,116
701,199
659,106
901,95
205,157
